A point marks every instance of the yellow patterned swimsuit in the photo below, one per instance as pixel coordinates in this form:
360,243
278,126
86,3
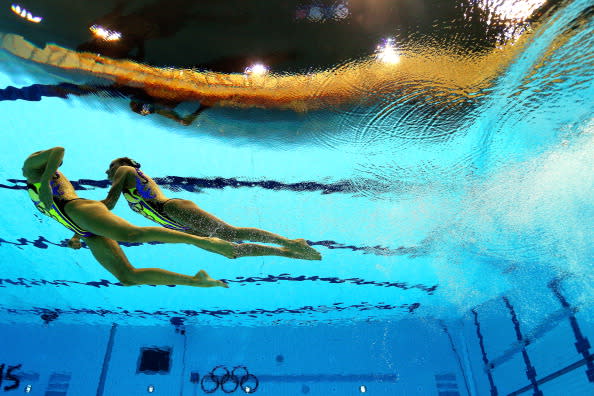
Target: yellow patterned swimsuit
137,200
56,211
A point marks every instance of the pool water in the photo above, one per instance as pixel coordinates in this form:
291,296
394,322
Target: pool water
457,239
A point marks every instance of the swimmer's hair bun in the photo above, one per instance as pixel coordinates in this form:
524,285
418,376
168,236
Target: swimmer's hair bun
129,161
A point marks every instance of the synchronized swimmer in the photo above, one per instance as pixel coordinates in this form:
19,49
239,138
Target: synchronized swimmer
146,198
54,196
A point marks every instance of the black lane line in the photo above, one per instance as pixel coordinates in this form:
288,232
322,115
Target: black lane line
333,378
195,184
412,251
530,370
220,313
582,344
455,350
106,360
240,280
488,366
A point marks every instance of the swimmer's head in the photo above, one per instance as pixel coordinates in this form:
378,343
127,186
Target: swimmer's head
142,108
122,161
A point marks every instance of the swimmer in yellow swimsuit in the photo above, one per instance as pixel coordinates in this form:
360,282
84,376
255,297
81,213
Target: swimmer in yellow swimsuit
54,196
146,198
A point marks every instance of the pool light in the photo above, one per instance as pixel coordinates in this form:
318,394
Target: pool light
105,34
257,69
150,389
28,389
387,52
362,389
25,14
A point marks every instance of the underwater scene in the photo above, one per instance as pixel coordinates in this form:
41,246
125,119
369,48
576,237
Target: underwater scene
299,197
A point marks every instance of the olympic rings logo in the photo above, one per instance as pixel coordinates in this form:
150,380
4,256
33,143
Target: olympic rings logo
220,377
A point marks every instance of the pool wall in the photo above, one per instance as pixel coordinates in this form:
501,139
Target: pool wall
409,357
494,349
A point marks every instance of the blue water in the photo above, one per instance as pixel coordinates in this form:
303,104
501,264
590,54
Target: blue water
441,253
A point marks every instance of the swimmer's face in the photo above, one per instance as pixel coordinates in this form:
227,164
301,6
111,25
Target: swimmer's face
113,167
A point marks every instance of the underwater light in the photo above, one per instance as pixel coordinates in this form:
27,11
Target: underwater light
105,34
23,13
150,389
387,52
28,389
257,69
362,389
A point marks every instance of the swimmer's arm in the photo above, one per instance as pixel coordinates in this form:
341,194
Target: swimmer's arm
42,165
119,179
54,160
171,114
187,120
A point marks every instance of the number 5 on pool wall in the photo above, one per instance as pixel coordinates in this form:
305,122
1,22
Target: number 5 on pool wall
9,377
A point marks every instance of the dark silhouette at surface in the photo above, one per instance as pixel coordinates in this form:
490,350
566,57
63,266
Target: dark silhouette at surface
140,102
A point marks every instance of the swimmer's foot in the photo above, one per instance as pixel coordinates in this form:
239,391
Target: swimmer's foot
300,249
204,280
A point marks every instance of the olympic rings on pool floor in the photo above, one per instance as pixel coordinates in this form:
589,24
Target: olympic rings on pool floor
239,377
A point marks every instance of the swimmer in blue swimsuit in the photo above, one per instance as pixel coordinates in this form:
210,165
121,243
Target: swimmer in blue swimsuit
146,198
54,196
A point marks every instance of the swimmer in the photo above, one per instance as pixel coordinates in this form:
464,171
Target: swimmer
145,107
146,198
54,196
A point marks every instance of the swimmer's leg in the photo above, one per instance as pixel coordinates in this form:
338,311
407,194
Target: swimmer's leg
203,223
111,256
94,216
253,249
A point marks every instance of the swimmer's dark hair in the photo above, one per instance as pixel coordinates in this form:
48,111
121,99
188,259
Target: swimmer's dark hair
128,161
136,106
142,108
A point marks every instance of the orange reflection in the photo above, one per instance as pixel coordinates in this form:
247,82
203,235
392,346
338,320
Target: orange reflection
441,73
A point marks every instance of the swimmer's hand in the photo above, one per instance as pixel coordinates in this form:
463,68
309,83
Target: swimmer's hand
204,280
74,243
45,195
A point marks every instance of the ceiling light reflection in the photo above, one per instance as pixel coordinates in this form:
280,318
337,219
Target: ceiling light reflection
257,69
511,15
25,14
387,52
511,9
105,34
